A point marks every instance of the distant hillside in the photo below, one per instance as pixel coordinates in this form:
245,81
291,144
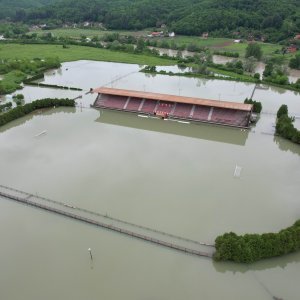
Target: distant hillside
276,19
8,8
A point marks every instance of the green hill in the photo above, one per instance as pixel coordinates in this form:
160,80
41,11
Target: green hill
274,19
8,8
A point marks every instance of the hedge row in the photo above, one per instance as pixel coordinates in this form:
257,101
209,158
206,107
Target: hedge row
257,106
53,86
21,111
285,126
30,81
249,248
33,78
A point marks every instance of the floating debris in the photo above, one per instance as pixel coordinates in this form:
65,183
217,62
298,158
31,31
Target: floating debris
91,255
237,171
41,133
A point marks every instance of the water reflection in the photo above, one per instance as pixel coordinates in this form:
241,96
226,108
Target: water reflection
44,112
286,145
198,131
277,262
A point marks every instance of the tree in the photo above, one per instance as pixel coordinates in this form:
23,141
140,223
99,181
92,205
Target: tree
140,45
254,49
268,70
250,64
257,76
295,62
283,110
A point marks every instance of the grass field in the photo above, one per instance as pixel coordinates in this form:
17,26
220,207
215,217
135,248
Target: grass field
20,51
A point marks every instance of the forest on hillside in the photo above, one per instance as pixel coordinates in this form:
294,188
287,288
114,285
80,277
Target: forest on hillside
8,8
274,19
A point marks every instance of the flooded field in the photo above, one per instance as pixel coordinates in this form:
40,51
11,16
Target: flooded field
293,74
170,176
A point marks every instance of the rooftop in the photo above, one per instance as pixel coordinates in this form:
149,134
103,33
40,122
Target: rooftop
173,98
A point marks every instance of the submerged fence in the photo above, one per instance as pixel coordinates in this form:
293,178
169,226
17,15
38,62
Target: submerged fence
9,194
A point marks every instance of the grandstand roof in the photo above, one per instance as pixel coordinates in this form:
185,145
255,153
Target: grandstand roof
173,98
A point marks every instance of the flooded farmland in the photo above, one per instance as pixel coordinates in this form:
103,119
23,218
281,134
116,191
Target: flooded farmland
166,175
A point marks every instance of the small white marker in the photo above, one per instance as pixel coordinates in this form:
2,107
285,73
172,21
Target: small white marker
90,250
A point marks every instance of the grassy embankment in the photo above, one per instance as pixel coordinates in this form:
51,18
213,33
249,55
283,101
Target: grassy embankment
19,51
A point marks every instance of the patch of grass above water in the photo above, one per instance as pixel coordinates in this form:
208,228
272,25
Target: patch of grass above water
11,82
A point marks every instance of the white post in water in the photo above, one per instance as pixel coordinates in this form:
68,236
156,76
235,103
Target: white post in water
90,251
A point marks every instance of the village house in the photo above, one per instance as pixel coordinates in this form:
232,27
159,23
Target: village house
297,37
205,35
292,49
156,34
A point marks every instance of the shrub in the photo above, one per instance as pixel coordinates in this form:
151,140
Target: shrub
257,76
283,110
295,62
257,106
5,106
18,97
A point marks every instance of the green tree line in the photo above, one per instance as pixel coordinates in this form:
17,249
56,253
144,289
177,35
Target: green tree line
249,248
21,111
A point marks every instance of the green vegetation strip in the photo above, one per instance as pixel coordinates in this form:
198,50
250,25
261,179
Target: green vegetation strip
12,51
21,111
249,248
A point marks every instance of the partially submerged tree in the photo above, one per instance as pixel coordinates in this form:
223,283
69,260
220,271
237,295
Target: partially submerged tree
254,50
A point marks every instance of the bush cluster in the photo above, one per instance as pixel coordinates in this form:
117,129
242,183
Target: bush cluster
285,126
5,106
18,97
257,106
235,66
21,111
249,248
